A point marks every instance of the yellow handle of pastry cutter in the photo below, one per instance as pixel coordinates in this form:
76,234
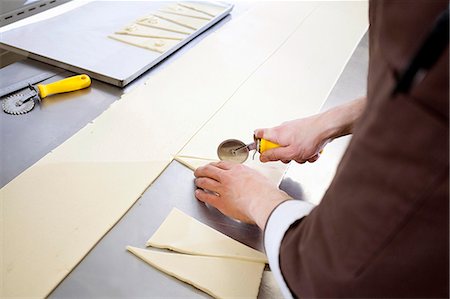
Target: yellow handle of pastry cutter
265,145
65,85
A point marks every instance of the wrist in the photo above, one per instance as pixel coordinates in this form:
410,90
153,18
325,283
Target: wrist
260,209
327,127
340,121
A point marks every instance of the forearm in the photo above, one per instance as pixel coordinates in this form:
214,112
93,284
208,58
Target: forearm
340,121
261,209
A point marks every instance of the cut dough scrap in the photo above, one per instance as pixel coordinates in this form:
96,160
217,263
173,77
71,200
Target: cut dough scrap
145,31
182,233
274,171
208,9
155,22
218,277
192,162
184,11
155,44
189,22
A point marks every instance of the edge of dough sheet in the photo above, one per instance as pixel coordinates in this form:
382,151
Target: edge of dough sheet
218,277
182,233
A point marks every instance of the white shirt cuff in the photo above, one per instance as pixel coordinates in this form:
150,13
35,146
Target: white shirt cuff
282,217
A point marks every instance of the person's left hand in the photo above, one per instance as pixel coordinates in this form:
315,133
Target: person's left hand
238,191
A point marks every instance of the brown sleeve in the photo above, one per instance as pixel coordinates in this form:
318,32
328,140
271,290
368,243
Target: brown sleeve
382,228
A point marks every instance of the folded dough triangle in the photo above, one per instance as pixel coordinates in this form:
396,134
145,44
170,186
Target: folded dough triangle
219,277
182,233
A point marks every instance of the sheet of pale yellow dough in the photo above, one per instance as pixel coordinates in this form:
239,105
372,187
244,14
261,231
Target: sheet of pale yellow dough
219,277
182,233
58,209
293,83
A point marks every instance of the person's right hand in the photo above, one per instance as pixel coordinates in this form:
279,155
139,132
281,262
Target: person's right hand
304,139
301,140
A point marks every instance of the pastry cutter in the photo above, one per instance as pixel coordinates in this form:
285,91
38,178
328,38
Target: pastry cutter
237,151
24,102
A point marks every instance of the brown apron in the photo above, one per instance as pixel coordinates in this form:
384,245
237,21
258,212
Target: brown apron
382,228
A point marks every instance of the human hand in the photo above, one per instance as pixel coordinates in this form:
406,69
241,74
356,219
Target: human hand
238,191
301,140
304,139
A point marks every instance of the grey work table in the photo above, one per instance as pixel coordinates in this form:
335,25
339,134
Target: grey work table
108,270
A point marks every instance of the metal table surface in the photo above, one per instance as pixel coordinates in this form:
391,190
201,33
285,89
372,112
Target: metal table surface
108,270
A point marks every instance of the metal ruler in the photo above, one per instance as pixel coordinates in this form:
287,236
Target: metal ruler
24,83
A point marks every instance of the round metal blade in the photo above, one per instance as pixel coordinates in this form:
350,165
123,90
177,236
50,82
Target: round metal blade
227,151
14,104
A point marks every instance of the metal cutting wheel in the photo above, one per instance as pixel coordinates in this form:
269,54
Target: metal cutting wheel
17,104
233,150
